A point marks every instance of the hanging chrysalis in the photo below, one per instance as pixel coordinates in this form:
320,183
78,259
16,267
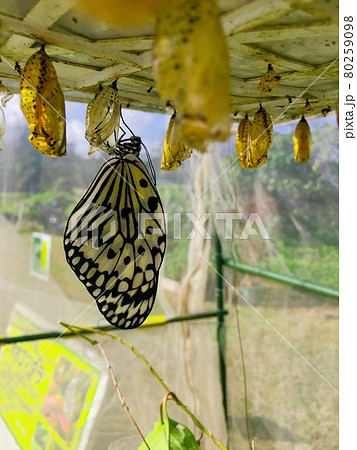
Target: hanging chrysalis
269,81
115,238
175,150
261,137
254,140
2,125
5,94
42,102
308,107
242,141
191,68
103,118
325,111
302,141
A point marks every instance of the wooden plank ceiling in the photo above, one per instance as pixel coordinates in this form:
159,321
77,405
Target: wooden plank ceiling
300,39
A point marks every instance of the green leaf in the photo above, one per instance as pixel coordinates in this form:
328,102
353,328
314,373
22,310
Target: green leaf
179,437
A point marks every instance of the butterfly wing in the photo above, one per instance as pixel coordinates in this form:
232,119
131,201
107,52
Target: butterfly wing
115,238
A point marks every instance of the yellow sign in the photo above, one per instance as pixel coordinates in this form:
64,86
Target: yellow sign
40,255
47,407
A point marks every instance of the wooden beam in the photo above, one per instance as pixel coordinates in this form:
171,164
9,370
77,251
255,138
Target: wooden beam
44,14
47,12
137,44
255,52
253,14
283,103
107,74
69,41
284,33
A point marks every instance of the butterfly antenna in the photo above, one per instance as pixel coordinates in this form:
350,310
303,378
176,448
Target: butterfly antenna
123,121
122,135
151,165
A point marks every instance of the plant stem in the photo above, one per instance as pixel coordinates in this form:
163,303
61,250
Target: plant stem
156,375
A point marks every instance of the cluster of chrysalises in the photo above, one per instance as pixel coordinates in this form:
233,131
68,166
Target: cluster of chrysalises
253,140
190,66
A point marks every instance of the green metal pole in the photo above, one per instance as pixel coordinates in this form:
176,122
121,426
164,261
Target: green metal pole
197,316
221,329
286,279
69,334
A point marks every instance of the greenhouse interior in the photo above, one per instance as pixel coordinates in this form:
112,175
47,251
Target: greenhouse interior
169,224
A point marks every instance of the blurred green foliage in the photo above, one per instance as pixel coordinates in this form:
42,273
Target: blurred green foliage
304,228
176,202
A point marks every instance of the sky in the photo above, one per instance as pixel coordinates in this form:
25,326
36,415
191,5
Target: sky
151,127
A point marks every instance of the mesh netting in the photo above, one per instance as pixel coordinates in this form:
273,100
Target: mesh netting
281,342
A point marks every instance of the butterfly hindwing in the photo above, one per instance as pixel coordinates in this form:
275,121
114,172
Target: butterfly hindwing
128,309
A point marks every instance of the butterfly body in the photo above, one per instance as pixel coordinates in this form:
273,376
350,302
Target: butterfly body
115,240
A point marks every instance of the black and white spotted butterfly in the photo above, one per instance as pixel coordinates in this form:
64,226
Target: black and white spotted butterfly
115,238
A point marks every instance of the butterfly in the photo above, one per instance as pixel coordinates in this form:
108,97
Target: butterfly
115,238
42,102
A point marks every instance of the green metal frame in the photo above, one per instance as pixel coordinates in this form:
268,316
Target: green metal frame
220,262
221,328
285,279
69,334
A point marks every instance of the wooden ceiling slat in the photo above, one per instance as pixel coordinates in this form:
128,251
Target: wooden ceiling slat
44,14
269,57
106,74
75,43
253,14
47,12
305,31
138,44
